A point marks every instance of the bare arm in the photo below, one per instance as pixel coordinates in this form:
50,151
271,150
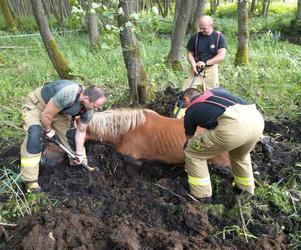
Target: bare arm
80,135
48,114
221,53
192,62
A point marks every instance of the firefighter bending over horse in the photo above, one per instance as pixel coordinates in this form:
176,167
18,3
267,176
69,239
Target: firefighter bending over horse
51,109
232,125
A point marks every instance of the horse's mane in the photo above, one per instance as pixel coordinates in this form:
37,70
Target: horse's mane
115,123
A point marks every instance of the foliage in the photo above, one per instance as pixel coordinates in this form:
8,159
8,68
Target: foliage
276,195
276,91
16,204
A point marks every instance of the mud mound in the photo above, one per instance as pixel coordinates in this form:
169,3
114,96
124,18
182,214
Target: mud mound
165,102
112,210
286,131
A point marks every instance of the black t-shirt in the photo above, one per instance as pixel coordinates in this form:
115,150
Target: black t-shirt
206,45
205,115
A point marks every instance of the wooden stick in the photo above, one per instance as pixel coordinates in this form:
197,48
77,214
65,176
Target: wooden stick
244,227
179,196
8,225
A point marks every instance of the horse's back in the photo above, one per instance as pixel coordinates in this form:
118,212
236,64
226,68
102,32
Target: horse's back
161,139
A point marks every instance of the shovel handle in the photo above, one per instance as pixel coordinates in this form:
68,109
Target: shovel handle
70,153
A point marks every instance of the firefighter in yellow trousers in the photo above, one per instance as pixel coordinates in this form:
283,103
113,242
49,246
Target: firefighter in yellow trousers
232,125
50,110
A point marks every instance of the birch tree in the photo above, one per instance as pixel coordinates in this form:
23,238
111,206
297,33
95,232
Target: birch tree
58,60
94,35
298,14
136,73
182,14
197,11
11,24
242,54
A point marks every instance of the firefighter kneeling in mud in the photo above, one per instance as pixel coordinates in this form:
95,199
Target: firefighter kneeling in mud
232,125
51,109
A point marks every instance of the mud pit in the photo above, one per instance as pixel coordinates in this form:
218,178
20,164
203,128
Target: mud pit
111,209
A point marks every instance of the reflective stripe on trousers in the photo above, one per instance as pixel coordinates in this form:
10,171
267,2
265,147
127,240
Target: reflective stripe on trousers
198,181
30,161
245,181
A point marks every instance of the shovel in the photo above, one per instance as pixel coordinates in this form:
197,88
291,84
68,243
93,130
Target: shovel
181,105
70,153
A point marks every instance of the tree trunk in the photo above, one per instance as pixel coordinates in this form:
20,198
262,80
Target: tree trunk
166,7
178,34
242,55
265,6
298,14
136,73
46,7
176,14
160,8
253,7
58,60
11,24
197,11
213,7
13,12
94,35
61,11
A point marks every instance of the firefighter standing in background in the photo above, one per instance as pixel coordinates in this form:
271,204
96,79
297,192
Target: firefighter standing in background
205,50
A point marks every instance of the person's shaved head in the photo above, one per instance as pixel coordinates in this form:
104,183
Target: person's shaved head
206,25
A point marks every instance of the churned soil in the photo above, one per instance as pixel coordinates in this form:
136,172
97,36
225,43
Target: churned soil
116,209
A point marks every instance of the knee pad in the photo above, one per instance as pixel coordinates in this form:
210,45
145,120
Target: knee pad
70,135
34,141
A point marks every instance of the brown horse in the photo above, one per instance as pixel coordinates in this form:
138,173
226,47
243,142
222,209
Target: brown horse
143,135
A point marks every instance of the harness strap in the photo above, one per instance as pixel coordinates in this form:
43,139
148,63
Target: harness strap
196,46
196,55
80,89
207,94
217,42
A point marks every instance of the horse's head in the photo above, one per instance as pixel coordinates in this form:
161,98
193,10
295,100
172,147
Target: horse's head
52,155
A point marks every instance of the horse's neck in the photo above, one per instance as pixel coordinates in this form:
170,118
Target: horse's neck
107,138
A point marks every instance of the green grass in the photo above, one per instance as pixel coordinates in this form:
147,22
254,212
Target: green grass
17,203
272,79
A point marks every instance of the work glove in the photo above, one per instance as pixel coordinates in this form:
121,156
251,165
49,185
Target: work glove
50,134
79,159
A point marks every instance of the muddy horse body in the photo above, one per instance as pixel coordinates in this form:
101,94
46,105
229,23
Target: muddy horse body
148,136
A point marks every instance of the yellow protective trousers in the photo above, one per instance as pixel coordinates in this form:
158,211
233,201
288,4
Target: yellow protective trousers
31,148
207,80
238,130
